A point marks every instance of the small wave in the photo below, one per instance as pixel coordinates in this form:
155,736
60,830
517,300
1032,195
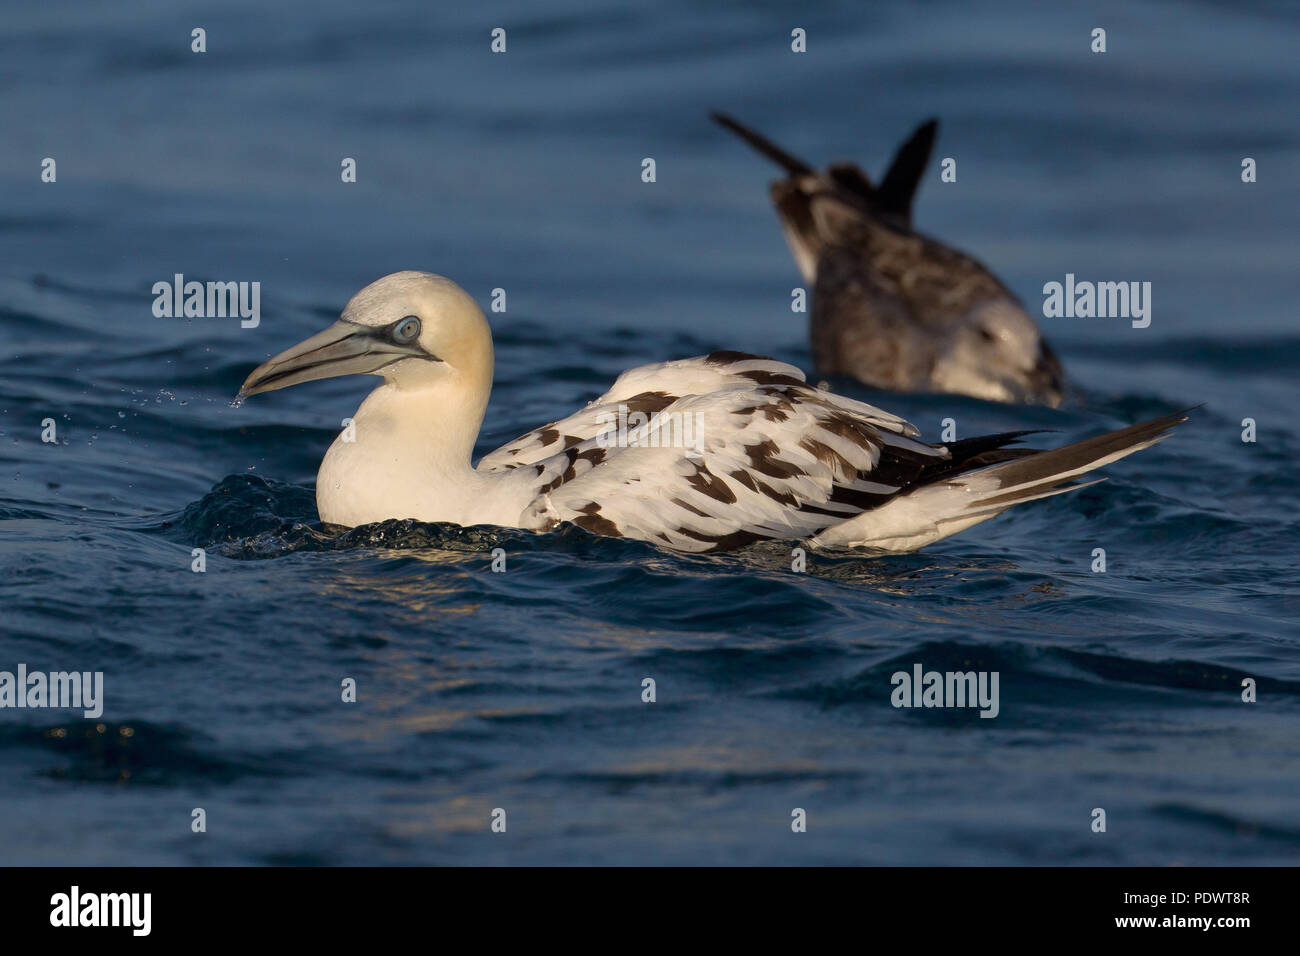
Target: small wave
138,752
1039,675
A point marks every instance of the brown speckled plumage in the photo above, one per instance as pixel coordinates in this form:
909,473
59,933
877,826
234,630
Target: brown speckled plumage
891,306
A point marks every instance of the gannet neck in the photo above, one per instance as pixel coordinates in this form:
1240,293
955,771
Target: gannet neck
406,454
435,426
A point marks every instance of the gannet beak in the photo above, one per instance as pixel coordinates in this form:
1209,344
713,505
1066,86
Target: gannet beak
345,348
1047,381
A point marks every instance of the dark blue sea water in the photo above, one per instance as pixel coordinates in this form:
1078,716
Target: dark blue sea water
522,690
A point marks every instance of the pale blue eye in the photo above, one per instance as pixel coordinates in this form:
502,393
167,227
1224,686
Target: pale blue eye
408,330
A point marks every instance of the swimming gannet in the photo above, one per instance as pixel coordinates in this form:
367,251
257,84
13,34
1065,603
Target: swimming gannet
770,456
895,308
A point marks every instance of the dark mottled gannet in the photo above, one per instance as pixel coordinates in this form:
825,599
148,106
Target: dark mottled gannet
894,308
699,454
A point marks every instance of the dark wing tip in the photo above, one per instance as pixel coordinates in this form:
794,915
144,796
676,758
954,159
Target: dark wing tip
898,187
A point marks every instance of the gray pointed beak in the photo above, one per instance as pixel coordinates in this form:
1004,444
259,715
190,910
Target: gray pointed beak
345,348
1047,381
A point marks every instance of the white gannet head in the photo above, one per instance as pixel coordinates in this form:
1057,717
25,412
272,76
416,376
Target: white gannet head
416,329
997,352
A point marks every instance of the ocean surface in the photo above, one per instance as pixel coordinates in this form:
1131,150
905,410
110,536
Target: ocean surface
522,690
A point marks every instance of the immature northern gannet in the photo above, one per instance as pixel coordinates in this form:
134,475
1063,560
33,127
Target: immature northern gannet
892,307
728,449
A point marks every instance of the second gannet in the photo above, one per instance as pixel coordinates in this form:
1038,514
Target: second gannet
895,308
698,454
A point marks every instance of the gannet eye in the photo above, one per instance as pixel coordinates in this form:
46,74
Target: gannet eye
408,330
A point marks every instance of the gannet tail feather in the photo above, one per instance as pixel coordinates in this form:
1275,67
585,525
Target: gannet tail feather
967,454
935,510
1048,469
793,166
